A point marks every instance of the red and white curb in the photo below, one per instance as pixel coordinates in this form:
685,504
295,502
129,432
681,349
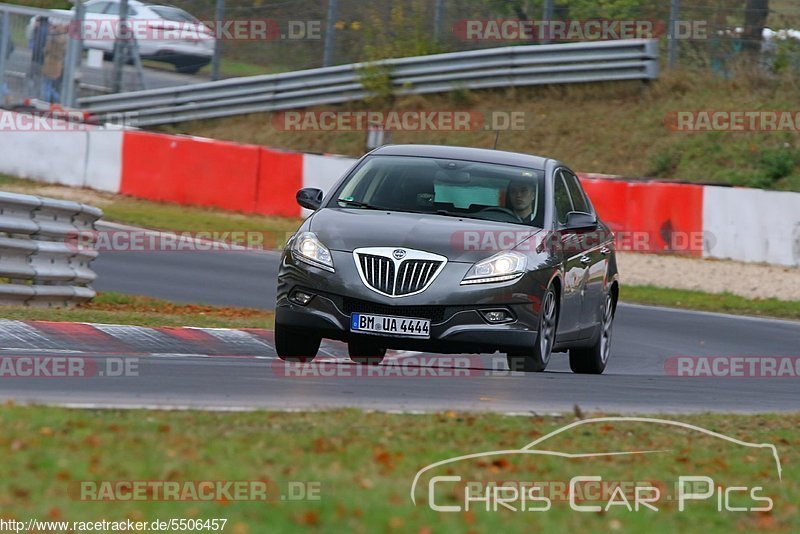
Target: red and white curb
46,337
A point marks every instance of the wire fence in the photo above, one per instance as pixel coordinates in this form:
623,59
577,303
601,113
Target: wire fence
269,36
710,34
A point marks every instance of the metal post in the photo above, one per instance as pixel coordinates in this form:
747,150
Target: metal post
4,35
674,10
120,47
547,19
438,15
219,16
72,61
327,54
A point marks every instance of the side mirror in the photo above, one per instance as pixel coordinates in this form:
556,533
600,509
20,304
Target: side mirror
578,220
309,198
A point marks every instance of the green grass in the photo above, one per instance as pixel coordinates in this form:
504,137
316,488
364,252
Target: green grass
364,464
712,302
116,308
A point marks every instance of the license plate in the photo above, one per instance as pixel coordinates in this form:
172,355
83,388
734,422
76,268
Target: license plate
388,325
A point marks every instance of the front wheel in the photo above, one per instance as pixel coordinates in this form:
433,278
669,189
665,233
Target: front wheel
536,361
294,345
592,360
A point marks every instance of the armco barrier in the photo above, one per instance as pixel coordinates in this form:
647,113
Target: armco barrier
42,266
190,170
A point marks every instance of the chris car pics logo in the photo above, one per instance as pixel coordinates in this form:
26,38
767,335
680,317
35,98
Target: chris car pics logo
447,491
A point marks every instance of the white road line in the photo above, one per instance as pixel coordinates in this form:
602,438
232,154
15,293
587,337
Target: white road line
711,314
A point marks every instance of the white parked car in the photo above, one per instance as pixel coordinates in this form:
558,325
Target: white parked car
163,33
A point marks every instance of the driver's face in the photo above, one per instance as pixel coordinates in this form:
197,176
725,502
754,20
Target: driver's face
521,196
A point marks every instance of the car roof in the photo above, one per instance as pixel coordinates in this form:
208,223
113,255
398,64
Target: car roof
464,153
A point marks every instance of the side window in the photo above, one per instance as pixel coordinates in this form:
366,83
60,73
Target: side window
579,200
561,197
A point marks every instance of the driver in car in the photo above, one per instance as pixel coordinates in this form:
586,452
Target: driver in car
521,198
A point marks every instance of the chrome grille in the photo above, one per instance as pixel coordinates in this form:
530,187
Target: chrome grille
378,272
411,274
414,275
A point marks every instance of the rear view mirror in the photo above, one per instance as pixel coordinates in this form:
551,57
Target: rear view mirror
309,198
578,220
453,177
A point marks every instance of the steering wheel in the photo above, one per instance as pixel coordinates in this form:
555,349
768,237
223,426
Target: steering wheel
504,211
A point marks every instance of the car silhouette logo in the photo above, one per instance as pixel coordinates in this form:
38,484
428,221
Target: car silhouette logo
399,253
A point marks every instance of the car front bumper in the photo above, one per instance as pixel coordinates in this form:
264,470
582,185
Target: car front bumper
458,324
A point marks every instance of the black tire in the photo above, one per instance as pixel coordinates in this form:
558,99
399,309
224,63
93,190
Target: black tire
365,352
295,345
593,360
537,359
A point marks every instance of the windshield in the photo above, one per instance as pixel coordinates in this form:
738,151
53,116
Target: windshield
444,187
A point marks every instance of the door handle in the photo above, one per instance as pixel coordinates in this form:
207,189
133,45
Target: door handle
605,251
586,260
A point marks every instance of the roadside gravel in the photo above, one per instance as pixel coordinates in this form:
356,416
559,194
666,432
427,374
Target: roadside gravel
751,280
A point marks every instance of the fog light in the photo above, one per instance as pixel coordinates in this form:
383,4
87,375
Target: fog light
301,297
497,316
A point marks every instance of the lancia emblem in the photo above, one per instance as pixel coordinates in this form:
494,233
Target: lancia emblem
399,253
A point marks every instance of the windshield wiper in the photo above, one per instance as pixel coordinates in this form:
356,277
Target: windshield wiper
358,204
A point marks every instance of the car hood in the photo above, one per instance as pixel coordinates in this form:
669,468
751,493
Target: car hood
460,240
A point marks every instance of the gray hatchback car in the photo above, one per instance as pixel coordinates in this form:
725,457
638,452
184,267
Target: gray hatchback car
450,250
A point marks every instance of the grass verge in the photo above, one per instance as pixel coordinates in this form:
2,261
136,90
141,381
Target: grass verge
712,302
362,466
116,308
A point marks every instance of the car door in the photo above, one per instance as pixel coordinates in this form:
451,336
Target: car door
569,322
594,257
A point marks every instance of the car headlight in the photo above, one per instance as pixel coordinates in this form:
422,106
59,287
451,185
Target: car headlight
309,249
499,268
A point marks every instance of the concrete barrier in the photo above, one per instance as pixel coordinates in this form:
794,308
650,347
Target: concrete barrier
734,223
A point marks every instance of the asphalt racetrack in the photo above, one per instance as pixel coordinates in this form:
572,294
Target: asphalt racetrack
239,370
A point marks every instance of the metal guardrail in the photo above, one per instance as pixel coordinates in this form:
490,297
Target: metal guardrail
41,263
514,66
